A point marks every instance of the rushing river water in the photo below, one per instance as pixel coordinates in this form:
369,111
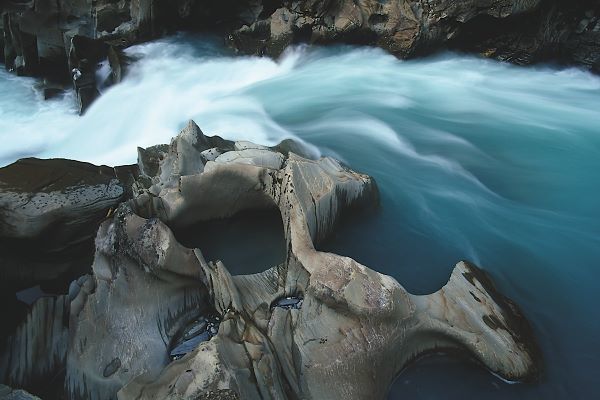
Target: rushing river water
475,160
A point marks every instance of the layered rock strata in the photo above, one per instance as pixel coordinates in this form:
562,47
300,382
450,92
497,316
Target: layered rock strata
157,320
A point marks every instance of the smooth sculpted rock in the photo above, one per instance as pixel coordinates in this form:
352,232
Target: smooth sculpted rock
148,288
157,320
319,317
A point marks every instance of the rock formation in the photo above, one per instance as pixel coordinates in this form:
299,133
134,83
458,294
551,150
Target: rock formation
157,320
50,211
66,39
519,31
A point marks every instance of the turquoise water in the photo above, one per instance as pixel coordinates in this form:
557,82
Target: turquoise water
475,160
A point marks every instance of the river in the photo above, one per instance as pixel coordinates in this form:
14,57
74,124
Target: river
475,159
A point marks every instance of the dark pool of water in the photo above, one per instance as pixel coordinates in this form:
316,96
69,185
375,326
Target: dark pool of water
247,243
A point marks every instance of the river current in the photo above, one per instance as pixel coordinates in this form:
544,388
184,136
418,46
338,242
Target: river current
475,159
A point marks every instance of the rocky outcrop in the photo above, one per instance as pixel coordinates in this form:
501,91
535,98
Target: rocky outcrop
64,40
518,31
39,33
402,27
157,320
50,211
563,31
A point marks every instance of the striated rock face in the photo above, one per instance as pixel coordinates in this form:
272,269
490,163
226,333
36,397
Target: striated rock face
157,320
50,211
39,33
35,354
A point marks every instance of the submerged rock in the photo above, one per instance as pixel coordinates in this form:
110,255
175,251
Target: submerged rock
157,320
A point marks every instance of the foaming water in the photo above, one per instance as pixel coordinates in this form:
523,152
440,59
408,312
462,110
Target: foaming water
475,160
171,84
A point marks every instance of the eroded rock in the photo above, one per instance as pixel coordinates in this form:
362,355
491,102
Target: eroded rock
157,320
404,28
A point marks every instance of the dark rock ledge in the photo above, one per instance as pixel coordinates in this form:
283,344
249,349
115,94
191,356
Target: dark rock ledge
64,40
153,319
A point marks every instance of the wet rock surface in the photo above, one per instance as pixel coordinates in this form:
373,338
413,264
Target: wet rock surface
288,303
157,320
521,32
200,330
557,31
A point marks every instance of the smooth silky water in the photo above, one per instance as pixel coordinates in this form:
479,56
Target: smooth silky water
475,160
